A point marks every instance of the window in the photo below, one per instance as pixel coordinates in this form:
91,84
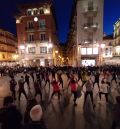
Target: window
110,43
3,56
35,12
22,51
95,50
50,50
90,20
30,25
29,12
43,49
30,37
90,5
31,49
41,11
89,51
106,51
83,51
42,24
42,36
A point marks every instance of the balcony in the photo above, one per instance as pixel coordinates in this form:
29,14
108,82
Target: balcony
92,10
116,54
41,28
30,29
90,26
88,41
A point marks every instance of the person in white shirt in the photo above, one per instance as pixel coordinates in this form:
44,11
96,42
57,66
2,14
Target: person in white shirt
104,89
89,91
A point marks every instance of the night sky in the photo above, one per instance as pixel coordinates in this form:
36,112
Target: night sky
63,11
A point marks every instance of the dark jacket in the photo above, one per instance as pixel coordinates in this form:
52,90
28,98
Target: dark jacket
34,125
10,118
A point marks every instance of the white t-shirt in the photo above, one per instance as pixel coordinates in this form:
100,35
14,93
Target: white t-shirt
104,88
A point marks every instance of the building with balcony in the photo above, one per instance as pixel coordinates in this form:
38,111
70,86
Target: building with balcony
87,19
107,49
37,34
8,48
116,42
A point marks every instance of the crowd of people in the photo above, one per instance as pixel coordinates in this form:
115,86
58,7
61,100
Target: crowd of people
79,80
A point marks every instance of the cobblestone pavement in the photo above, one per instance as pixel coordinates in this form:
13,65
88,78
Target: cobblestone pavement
57,116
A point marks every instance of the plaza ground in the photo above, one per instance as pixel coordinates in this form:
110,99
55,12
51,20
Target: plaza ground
57,116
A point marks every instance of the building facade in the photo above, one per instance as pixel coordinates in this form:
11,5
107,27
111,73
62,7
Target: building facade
37,34
116,43
107,49
87,32
8,48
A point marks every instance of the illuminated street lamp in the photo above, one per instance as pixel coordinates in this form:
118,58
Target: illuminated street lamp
56,52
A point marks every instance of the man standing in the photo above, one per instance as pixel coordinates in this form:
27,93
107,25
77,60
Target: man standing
89,91
27,80
21,83
10,117
13,84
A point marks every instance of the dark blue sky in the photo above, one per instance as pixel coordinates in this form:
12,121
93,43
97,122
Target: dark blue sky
63,10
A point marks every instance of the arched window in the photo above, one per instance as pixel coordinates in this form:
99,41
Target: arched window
41,11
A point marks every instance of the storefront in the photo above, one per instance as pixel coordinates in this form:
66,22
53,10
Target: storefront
88,62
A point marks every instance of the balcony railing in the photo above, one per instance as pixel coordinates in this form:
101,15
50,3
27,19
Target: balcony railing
88,41
116,54
90,26
37,41
90,9
29,28
41,28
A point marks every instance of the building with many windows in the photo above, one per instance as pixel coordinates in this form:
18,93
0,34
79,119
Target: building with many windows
8,48
86,32
107,49
37,34
116,43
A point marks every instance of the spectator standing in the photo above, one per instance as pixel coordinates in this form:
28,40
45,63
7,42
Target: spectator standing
10,117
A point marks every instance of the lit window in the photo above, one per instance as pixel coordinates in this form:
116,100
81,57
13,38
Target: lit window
43,49
89,51
31,49
95,50
83,51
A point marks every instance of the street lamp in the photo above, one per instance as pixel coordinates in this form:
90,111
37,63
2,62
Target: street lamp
56,52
